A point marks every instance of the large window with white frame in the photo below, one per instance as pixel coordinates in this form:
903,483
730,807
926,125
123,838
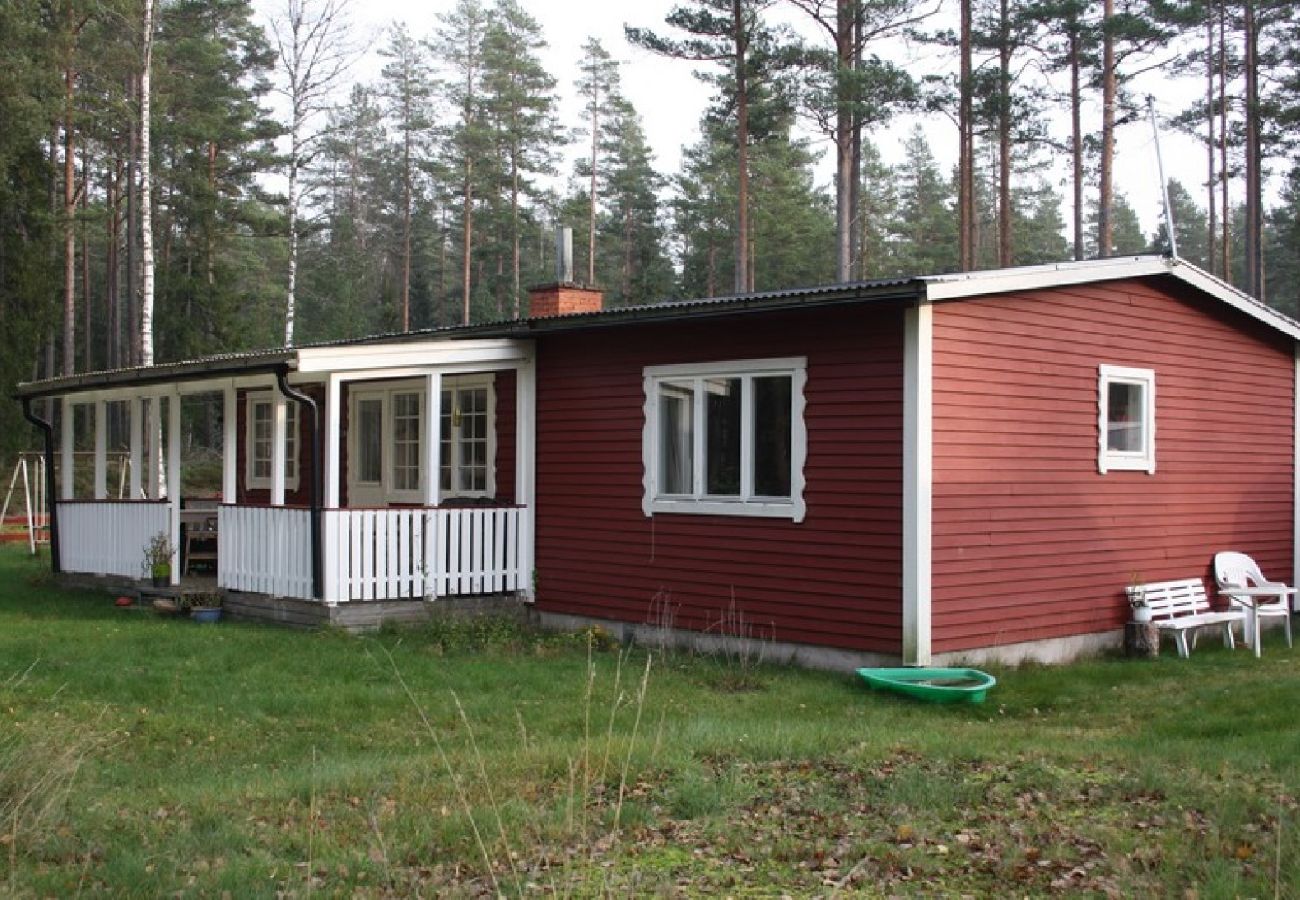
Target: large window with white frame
1126,419
725,438
386,440
259,438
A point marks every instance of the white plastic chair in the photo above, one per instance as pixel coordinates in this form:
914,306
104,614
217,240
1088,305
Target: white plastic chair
1233,569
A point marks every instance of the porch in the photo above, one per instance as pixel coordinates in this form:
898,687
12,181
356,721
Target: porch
368,554
348,474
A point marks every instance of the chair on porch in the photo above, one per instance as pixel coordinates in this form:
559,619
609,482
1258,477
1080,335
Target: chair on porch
1237,570
200,520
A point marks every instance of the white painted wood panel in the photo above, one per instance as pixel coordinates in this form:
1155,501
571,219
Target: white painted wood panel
109,537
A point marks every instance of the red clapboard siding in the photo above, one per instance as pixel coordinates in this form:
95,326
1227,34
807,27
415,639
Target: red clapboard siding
833,579
1030,541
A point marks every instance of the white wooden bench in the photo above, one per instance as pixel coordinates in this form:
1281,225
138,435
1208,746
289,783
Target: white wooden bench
1182,606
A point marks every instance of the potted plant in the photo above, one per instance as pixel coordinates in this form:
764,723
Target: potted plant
205,607
158,555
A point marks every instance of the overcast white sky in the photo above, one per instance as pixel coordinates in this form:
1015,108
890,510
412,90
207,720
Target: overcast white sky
670,100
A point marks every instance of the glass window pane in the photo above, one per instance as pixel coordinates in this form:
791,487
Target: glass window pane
676,438
406,441
370,437
772,436
722,424
1125,431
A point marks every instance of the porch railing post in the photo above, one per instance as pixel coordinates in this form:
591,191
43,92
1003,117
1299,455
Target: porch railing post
67,428
525,468
174,478
101,450
136,434
432,479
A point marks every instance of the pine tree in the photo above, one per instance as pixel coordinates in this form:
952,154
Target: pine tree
519,99
924,232
730,34
598,87
458,46
407,86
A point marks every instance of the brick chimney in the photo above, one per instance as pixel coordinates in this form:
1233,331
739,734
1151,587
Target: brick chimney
564,296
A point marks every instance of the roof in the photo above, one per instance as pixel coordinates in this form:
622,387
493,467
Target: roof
932,288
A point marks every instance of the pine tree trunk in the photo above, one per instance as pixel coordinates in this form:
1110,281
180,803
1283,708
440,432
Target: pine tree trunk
69,212
742,282
1106,189
1005,245
87,343
1076,137
966,149
844,57
406,219
1212,223
467,233
1254,274
131,313
591,205
1225,245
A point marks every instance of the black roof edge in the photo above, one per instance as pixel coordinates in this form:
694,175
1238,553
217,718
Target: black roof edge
146,375
777,301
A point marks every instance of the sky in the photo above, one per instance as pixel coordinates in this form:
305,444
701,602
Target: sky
671,100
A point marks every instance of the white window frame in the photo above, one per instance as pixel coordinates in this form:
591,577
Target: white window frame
454,383
361,493
1109,460
699,502
291,435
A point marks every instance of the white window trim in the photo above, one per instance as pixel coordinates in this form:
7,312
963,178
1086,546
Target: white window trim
454,383
292,433
653,502
367,492
1120,461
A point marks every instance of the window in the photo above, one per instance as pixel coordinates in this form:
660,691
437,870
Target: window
259,439
1126,419
468,439
725,438
406,441
386,440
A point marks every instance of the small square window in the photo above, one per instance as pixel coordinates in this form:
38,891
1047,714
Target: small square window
1126,419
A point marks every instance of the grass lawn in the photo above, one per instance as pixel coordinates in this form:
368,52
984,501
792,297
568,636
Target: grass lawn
144,756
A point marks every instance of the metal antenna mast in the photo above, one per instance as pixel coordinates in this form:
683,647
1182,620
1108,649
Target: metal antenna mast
1164,185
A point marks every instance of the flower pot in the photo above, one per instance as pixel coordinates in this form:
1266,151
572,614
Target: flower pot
161,575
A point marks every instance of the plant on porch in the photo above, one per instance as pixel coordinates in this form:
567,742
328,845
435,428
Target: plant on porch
158,555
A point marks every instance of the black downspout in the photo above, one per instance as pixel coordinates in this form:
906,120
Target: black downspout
48,430
317,564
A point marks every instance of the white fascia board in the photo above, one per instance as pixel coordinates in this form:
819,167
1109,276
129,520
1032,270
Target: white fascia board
961,285
420,355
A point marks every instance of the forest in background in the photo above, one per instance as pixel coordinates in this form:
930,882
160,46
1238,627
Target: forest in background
289,202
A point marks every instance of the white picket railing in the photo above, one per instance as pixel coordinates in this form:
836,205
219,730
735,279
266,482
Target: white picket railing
387,554
265,550
108,537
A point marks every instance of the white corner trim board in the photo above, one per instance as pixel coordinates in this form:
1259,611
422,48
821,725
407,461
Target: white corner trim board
918,481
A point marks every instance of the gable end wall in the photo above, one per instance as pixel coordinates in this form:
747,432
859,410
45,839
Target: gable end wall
1029,541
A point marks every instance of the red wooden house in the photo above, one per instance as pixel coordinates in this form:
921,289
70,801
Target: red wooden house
964,466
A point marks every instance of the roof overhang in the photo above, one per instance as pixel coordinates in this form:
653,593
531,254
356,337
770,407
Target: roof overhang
963,285
201,370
